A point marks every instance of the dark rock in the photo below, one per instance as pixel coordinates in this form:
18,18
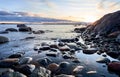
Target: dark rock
61,44
25,29
3,39
39,32
25,60
9,63
26,69
64,64
53,46
69,40
77,69
52,54
53,49
114,67
21,25
90,50
79,30
17,55
11,30
44,61
41,72
44,48
53,67
67,56
109,23
113,54
28,38
73,46
103,60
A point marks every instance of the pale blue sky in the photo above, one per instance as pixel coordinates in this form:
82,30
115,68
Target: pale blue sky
82,10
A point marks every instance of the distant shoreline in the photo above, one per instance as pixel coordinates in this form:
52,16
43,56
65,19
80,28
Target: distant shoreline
45,23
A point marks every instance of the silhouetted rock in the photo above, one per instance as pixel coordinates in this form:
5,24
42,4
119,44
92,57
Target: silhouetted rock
25,29
21,25
11,29
109,23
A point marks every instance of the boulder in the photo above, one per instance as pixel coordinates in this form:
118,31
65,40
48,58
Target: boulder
90,51
79,30
44,48
39,32
44,61
114,67
11,29
3,39
41,72
52,54
25,60
53,67
103,60
64,64
26,69
77,69
25,29
21,25
9,63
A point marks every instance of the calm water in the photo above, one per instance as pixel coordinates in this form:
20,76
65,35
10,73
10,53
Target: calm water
59,31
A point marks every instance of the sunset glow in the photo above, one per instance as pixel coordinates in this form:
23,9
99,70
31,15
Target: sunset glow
76,10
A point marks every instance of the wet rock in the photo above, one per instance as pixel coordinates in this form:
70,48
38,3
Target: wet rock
28,38
64,64
41,72
44,61
25,60
65,48
9,63
67,56
77,69
39,32
69,40
26,69
4,32
79,30
53,49
76,60
90,50
73,46
53,46
91,72
44,48
114,67
53,67
52,54
61,44
3,39
17,55
103,60
13,74
11,29
25,29
64,75
3,70
21,25
113,54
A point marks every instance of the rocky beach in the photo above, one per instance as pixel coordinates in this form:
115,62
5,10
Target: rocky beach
61,50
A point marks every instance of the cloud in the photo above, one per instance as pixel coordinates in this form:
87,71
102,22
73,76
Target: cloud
4,13
108,4
19,14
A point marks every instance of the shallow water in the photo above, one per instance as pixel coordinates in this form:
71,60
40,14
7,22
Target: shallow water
59,31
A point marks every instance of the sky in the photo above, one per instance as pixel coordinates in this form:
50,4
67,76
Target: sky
76,10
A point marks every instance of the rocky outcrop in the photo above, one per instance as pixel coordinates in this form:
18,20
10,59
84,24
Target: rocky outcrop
109,23
3,39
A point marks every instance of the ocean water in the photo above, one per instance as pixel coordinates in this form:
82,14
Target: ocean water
17,44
